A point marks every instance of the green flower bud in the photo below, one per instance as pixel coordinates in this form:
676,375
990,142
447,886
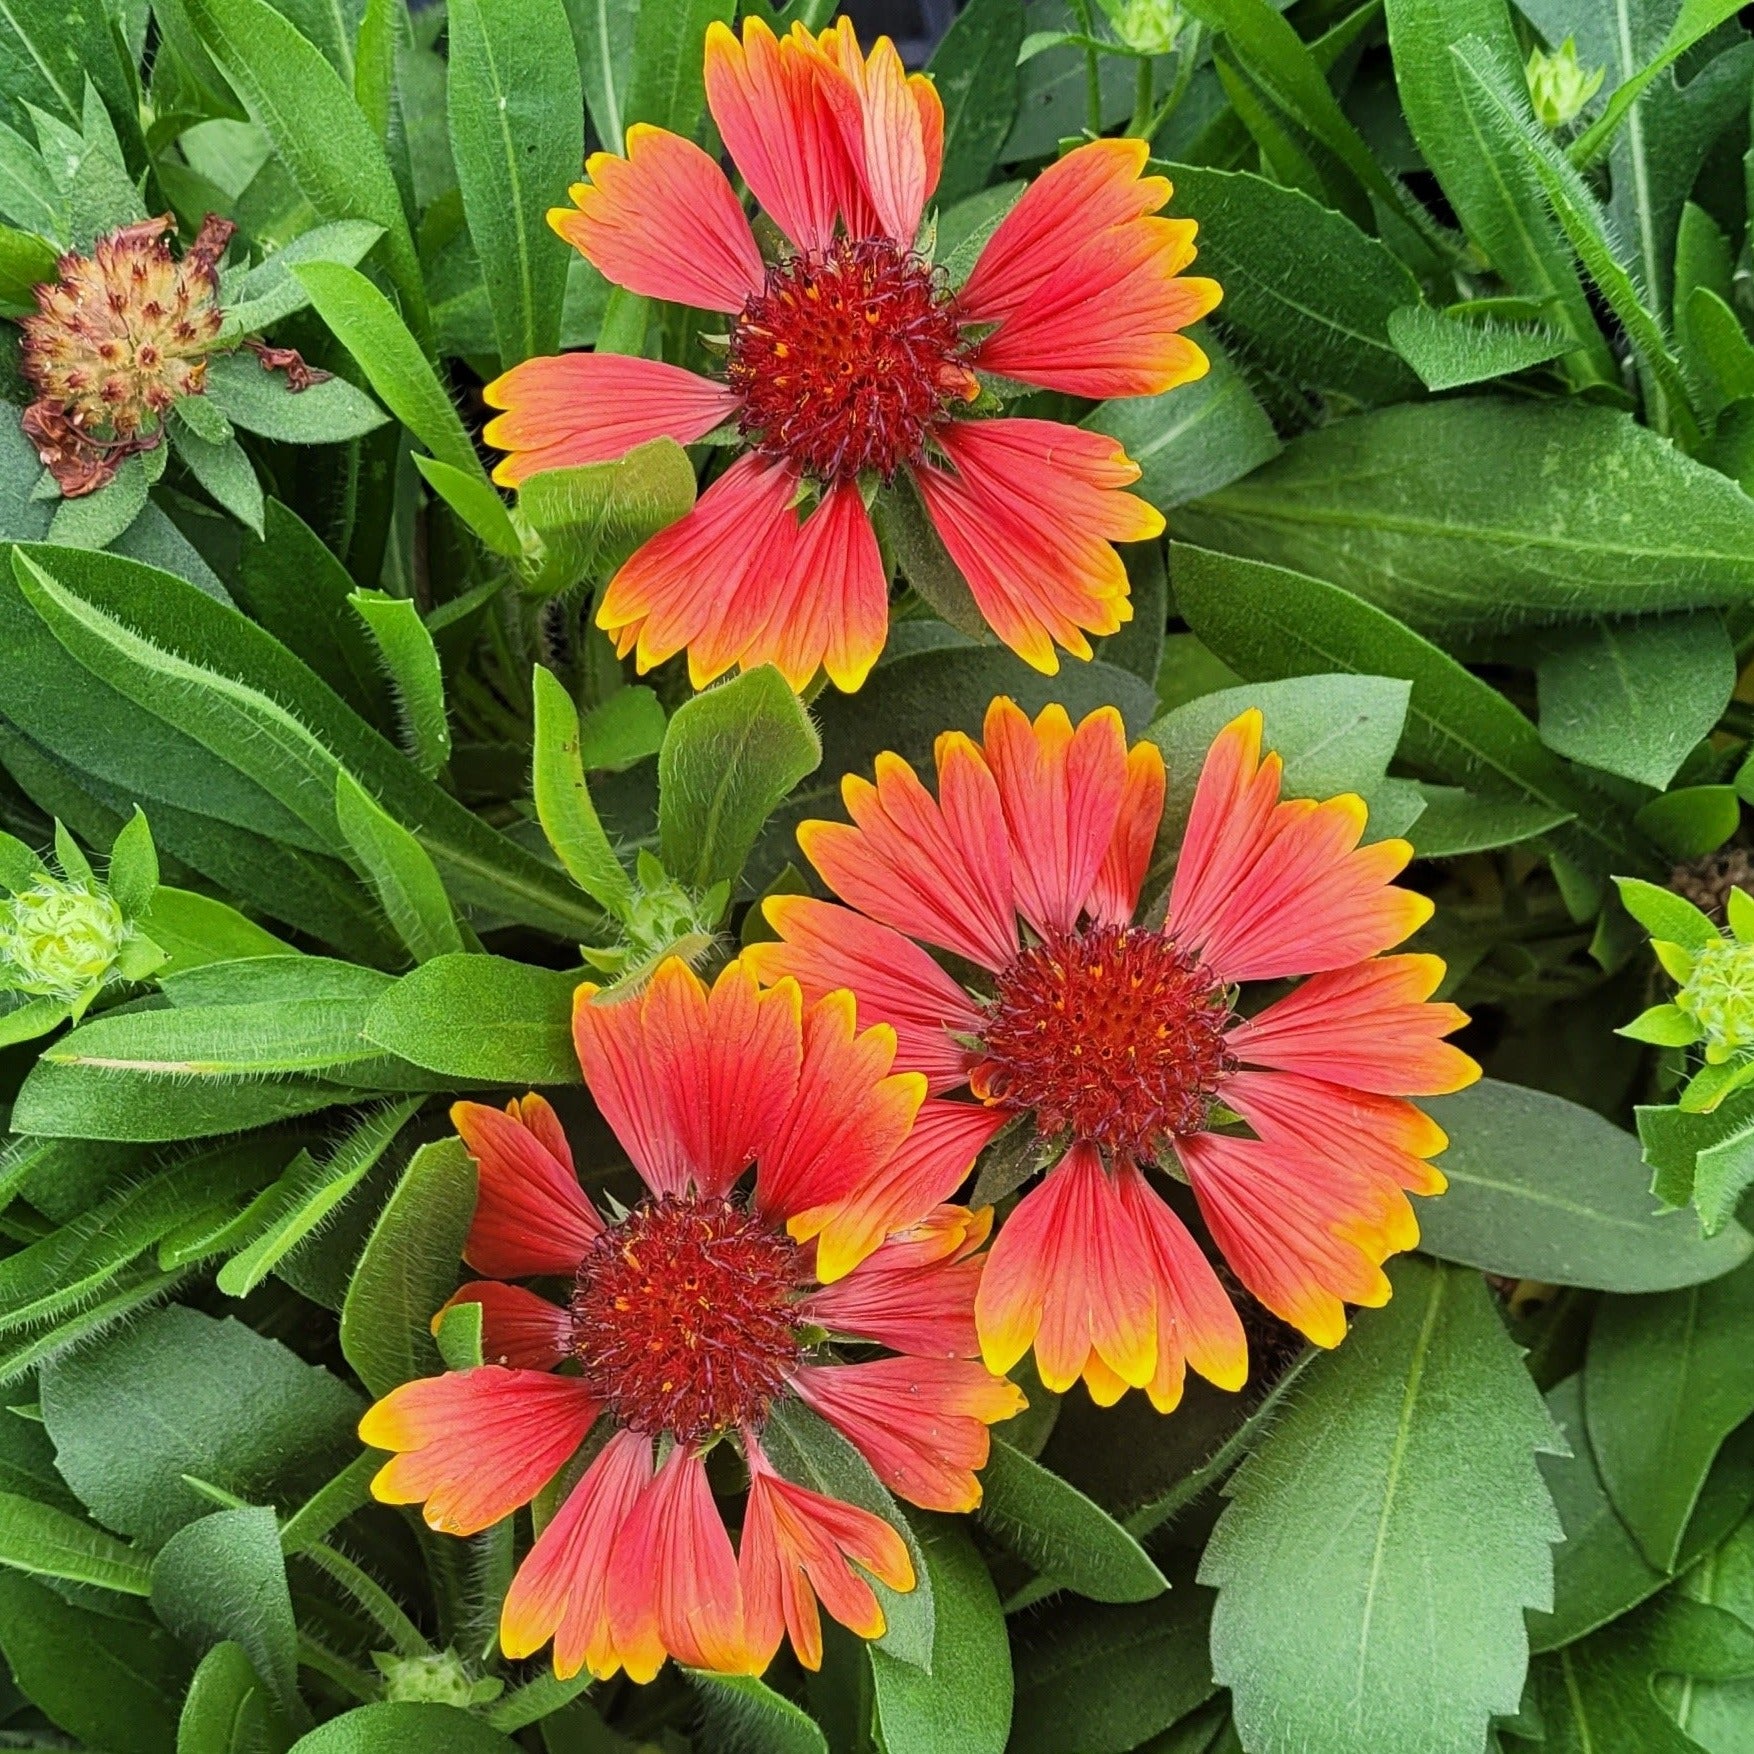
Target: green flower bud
438,1678
1719,996
1558,87
60,938
1150,26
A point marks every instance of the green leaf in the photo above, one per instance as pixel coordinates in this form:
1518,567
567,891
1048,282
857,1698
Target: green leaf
1512,134
1541,1188
1666,1379
563,800
742,1715
1311,292
329,412
1448,352
409,1267
138,626
473,498
1195,439
481,1019
179,1393
270,292
1596,1697
1693,20
401,874
391,358
194,929
227,1710
404,1729
669,80
60,1272
99,518
1504,216
963,1704
133,873
1703,1160
1635,698
517,135
806,1449
1406,1457
222,469
589,519
730,755
41,1539
974,68
1105,1679
603,33
624,729
115,1683
1266,622
1060,1532
411,662
224,1578
1334,734
304,1197
318,132
1476,515
1288,70
290,1041
293,585
904,527
1598,1570
1664,914
1691,821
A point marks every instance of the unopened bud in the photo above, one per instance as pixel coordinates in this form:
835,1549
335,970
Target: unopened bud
1558,87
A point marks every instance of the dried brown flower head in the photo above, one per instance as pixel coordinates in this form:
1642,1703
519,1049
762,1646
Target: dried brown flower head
119,338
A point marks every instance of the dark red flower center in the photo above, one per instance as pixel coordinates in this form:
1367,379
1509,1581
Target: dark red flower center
1115,1035
846,359
682,1316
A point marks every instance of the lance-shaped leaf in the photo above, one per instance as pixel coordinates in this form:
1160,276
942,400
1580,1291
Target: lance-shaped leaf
563,800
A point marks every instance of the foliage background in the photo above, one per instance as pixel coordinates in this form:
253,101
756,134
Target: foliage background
1463,506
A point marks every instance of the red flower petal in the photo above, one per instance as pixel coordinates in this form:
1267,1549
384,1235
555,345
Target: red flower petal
765,97
823,946
934,868
1369,1026
561,1590
518,1328
664,222
920,1422
570,409
1030,516
531,1215
673,1587
1071,1272
1062,791
680,588
846,1120
473,1445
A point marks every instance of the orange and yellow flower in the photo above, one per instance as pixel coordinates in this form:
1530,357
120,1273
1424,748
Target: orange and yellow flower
851,363
690,1318
1122,1040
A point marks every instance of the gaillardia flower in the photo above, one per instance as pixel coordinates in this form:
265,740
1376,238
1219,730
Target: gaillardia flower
687,1323
117,341
851,362
1123,1039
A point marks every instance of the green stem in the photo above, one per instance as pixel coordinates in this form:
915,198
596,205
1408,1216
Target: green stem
1092,69
377,1602
347,1676
1738,719
1184,73
1159,1510
1144,96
